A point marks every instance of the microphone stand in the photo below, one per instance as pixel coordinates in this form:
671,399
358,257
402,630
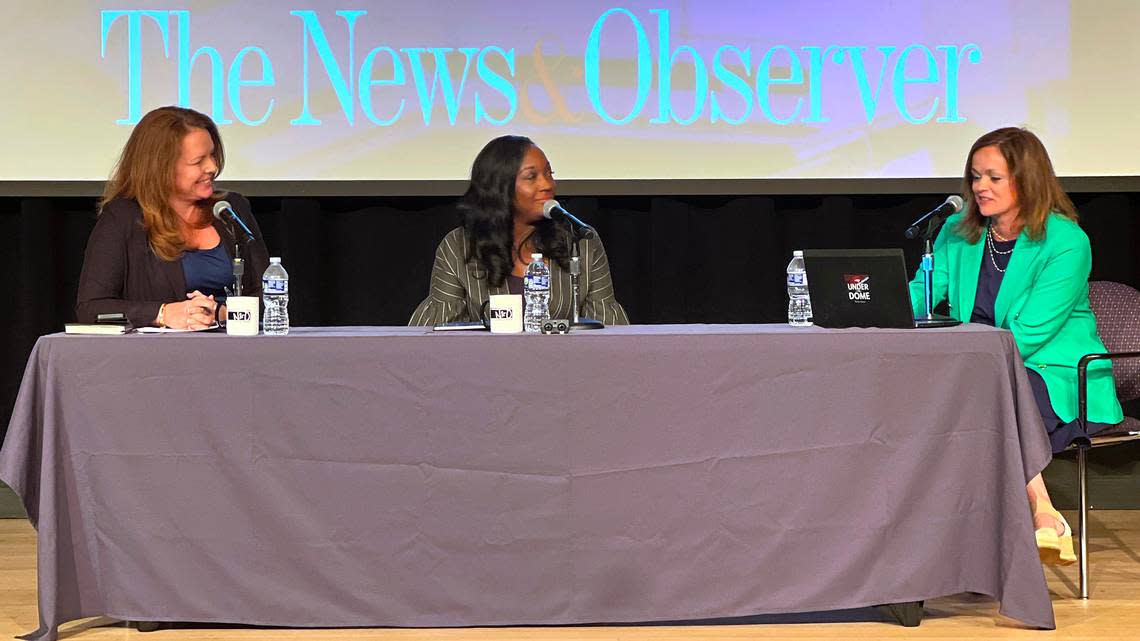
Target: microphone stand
239,263
927,265
928,274
239,272
232,222
576,321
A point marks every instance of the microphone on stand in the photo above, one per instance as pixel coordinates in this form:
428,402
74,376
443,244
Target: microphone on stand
554,211
579,230
952,205
932,218
224,212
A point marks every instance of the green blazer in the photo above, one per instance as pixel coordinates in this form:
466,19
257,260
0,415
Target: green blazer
1043,300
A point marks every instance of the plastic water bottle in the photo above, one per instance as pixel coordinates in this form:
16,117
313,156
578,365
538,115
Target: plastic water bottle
536,291
799,303
275,299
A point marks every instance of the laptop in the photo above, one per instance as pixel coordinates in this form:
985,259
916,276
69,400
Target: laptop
862,288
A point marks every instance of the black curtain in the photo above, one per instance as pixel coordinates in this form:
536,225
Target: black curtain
675,259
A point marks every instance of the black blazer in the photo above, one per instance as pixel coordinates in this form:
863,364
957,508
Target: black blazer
122,274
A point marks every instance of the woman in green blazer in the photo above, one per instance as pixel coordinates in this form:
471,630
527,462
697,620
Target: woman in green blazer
1017,259
503,225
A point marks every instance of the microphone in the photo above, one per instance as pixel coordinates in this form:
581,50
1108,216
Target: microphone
552,210
223,211
953,204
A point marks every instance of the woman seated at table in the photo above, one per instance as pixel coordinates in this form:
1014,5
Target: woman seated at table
502,226
157,255
1017,259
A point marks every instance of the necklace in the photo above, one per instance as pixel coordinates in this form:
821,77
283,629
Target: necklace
995,237
994,250
999,237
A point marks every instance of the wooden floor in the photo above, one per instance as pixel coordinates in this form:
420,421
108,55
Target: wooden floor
1113,612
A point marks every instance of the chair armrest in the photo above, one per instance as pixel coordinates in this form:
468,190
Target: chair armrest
1082,380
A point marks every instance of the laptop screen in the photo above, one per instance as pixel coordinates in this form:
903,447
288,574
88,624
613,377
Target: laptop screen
858,288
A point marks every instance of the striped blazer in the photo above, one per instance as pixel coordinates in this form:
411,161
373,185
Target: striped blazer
459,289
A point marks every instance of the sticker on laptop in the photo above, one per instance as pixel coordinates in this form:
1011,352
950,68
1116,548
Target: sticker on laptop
858,287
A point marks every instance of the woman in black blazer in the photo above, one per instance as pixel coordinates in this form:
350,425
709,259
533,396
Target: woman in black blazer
157,254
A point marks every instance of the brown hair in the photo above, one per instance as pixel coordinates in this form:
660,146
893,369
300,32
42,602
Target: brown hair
1036,188
145,172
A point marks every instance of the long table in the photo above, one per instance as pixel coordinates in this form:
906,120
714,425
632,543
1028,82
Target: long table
399,477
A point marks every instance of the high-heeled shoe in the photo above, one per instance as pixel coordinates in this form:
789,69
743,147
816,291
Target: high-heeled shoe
1053,548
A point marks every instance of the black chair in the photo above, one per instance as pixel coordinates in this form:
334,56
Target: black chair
1117,310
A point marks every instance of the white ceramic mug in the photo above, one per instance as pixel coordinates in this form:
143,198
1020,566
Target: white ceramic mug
505,313
242,315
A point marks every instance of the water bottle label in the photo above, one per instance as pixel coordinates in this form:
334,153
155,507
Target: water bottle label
274,286
797,279
538,282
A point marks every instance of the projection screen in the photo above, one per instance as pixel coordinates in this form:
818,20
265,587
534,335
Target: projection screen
621,91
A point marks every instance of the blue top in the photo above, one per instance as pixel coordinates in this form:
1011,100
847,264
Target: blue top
209,271
993,268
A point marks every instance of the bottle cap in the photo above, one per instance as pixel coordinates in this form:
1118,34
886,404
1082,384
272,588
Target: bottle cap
275,259
535,257
799,253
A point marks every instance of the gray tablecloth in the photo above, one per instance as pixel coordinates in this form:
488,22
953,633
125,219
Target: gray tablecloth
399,477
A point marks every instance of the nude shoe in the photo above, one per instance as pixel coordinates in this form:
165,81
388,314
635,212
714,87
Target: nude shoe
1053,548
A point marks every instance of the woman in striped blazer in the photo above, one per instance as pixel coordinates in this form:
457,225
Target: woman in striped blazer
502,226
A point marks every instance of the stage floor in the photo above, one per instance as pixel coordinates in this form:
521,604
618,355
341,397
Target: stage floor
1112,613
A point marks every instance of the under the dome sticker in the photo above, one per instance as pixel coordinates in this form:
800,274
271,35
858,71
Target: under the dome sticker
858,287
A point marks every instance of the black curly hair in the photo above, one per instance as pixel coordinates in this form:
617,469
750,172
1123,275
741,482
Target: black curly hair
488,215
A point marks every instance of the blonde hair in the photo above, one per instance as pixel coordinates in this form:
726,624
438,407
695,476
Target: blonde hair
145,172
1036,188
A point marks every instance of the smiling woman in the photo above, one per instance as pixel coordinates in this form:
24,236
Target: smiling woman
503,224
1017,259
156,254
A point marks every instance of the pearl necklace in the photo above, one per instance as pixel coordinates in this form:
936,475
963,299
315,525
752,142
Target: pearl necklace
994,250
